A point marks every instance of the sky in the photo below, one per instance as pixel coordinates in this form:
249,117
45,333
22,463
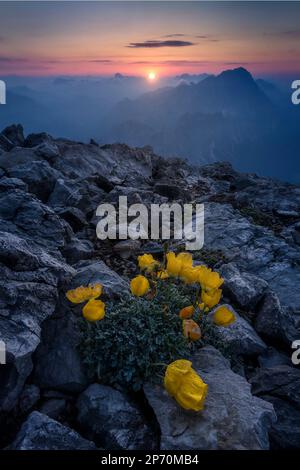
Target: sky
136,38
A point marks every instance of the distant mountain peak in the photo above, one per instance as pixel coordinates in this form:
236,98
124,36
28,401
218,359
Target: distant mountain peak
239,73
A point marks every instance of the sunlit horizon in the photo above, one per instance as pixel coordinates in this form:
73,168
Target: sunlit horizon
133,39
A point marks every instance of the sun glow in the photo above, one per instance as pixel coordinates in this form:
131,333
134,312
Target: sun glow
151,76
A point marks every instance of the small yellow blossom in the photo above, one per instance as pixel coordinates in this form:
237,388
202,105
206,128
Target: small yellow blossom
94,310
81,294
223,316
203,307
147,262
186,312
211,298
162,274
185,385
191,330
139,285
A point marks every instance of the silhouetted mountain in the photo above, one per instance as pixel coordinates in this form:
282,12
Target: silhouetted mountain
228,116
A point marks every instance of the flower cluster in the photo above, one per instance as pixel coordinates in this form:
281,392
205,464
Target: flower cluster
181,266
181,381
94,309
204,287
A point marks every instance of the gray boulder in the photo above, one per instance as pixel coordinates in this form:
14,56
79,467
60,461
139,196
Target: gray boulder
29,282
232,418
74,216
240,337
12,183
91,272
272,358
5,144
256,250
39,432
243,288
39,177
81,194
280,386
22,214
54,407
285,433
275,322
29,397
280,381
112,421
17,156
78,250
14,133
171,191
114,162
34,140
57,361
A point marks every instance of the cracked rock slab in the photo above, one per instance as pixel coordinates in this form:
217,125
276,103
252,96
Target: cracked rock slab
39,432
232,418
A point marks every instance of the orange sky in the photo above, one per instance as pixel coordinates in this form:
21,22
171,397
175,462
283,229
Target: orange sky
49,38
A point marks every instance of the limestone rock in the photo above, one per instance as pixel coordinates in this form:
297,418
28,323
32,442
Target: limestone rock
232,418
39,432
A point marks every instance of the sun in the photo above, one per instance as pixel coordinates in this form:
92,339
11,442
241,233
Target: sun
151,76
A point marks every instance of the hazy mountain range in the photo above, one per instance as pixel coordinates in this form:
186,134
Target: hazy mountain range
226,117
204,118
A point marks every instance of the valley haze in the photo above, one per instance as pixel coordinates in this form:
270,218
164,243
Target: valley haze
205,118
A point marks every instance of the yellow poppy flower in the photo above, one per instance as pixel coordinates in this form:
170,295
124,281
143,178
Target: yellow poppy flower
162,274
211,298
189,274
223,316
175,264
191,330
81,294
147,262
213,280
94,310
186,312
139,285
183,384
202,273
185,258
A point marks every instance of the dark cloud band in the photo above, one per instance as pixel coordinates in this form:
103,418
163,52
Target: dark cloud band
155,44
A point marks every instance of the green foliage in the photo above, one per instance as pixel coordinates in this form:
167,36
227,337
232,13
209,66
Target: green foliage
137,338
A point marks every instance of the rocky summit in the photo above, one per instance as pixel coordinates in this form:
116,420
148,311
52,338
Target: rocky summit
49,192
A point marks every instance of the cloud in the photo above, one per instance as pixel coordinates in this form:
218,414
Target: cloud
100,61
194,63
174,62
175,35
204,37
5,59
155,44
291,33
207,38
